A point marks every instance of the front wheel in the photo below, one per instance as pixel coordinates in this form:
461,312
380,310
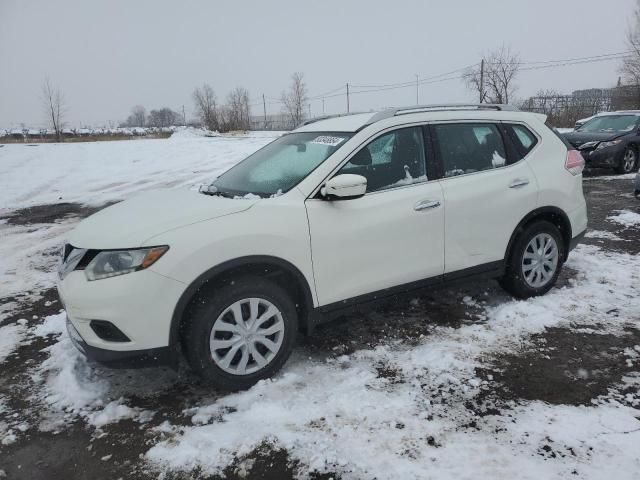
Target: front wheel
629,161
535,261
241,335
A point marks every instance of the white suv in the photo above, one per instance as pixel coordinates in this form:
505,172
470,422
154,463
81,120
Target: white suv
335,214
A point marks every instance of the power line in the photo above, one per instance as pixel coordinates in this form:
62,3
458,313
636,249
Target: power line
577,58
354,89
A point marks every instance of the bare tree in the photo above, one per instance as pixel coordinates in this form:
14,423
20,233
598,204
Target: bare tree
163,117
54,106
295,98
631,63
235,114
206,108
138,116
501,68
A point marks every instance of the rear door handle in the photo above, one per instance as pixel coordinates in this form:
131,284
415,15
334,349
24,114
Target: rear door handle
426,204
519,182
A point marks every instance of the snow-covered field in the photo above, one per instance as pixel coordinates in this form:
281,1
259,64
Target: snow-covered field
429,405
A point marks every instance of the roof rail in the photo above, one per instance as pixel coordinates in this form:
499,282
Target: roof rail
326,117
392,112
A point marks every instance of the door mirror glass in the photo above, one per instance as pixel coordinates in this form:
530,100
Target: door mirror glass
345,187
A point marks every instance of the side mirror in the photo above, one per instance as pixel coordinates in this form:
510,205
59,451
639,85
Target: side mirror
344,187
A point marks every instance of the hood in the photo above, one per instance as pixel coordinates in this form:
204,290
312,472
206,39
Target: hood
128,224
578,138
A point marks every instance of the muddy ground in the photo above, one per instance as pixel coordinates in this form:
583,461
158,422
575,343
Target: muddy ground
551,368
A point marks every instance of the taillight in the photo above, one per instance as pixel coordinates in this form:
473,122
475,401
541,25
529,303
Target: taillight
574,163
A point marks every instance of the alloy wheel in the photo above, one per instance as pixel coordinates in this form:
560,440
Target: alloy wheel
629,160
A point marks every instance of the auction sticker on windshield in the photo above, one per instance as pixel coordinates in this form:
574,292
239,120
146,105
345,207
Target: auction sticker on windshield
328,140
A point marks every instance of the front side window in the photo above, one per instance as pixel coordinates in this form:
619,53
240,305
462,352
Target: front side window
469,148
281,165
392,160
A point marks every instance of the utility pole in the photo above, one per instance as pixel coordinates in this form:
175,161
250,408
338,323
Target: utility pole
322,105
184,118
309,111
481,80
264,109
347,97
417,103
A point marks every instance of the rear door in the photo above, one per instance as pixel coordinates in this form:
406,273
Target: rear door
487,191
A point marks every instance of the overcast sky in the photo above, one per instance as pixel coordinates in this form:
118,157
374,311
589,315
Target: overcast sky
107,56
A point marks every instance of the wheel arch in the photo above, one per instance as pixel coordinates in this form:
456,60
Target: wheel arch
554,215
284,273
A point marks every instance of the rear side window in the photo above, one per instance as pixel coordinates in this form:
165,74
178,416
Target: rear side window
469,147
522,138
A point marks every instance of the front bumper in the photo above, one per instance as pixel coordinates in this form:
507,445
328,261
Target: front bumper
138,304
608,157
121,359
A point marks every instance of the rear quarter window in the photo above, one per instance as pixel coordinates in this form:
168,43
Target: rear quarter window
522,138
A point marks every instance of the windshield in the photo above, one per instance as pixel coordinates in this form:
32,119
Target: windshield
281,165
611,123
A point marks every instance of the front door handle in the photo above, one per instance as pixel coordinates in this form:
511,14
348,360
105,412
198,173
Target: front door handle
426,204
519,182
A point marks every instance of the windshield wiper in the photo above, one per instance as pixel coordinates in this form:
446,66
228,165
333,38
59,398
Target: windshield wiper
213,191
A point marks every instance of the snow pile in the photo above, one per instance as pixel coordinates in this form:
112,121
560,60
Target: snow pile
603,234
70,387
69,382
189,133
626,218
384,425
627,176
115,411
10,337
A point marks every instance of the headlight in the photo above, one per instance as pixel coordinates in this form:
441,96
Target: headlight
587,145
111,263
609,144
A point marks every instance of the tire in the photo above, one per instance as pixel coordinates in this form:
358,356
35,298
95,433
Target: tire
520,278
629,161
213,322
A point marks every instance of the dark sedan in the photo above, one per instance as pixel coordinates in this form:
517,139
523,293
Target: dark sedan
609,141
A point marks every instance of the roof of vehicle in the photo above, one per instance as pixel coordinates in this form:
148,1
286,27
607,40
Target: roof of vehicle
620,112
356,121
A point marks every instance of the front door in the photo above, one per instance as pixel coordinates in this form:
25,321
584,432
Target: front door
391,236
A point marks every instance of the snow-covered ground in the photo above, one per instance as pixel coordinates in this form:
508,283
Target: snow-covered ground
97,172
332,412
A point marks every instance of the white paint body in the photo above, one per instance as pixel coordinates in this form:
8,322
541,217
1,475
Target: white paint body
343,248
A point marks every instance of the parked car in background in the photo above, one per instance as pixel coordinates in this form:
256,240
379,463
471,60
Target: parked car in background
636,184
338,213
609,140
582,121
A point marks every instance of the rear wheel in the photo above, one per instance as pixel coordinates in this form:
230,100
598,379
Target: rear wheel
535,260
629,161
243,334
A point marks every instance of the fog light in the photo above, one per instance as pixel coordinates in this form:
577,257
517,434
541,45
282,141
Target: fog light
108,331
